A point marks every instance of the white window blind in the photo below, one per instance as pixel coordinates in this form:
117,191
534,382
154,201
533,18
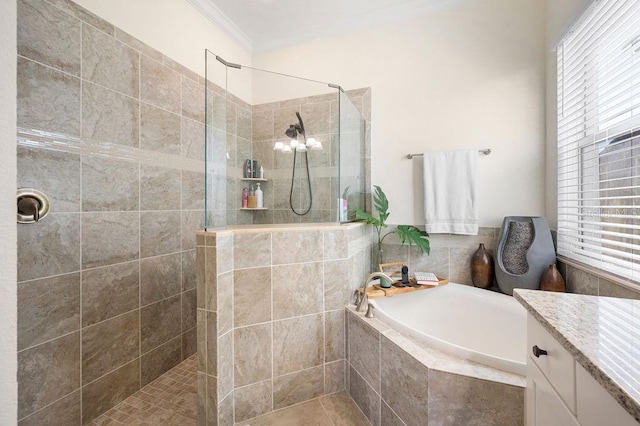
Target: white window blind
599,138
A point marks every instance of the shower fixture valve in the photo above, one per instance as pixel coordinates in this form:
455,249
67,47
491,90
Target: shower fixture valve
33,205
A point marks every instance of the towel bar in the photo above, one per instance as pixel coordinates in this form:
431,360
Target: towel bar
483,151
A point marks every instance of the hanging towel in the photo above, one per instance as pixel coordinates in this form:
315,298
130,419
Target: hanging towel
450,187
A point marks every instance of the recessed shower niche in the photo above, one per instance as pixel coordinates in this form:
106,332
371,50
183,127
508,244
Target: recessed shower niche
308,137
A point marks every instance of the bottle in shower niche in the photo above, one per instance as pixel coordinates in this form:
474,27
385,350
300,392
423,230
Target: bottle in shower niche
247,168
259,198
252,198
245,198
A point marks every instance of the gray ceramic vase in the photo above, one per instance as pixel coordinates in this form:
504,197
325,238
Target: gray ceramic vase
523,253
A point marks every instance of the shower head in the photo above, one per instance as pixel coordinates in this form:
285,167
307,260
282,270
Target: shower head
291,132
294,129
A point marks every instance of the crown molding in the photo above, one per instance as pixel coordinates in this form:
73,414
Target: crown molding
215,15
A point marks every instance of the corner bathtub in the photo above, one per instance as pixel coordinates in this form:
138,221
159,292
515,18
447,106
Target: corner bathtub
478,325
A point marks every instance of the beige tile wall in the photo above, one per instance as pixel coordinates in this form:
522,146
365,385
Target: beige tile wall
266,126
450,254
271,315
585,280
111,130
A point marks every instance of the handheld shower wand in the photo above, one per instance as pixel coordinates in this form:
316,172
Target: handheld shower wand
292,132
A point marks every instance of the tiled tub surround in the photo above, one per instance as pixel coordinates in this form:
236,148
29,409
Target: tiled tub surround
271,319
107,281
396,381
268,123
600,333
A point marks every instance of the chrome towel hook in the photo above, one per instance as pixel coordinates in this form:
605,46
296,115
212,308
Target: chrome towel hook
33,205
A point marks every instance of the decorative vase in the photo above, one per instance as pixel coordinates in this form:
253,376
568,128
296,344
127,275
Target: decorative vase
377,258
523,251
482,269
552,280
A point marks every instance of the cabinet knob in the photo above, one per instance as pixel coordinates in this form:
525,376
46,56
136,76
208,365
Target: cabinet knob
537,351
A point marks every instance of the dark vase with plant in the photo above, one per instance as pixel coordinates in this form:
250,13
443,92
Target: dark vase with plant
408,234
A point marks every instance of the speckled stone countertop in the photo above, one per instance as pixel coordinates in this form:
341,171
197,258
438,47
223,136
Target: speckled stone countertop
602,334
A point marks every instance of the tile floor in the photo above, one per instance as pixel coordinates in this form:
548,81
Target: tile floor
170,400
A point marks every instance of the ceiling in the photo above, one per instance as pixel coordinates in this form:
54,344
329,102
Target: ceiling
263,25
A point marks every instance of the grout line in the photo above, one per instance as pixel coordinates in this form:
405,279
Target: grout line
111,371
272,321
139,235
205,325
324,319
326,413
181,290
52,403
278,320
382,401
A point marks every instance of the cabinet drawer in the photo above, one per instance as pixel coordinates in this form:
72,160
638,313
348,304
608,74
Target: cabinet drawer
557,365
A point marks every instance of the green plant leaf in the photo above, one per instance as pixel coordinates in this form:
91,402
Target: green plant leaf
412,235
381,203
370,219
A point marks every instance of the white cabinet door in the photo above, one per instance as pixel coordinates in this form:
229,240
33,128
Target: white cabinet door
596,406
544,406
557,365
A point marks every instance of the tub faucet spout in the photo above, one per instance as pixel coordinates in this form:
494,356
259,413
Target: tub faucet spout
361,305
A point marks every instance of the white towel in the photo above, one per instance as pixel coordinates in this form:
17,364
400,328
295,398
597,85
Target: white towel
450,187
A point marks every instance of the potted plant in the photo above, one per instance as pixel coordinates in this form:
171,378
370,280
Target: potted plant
408,234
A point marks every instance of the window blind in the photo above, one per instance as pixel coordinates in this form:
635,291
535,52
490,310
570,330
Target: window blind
598,97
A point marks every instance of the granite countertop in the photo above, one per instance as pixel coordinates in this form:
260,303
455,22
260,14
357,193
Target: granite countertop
602,334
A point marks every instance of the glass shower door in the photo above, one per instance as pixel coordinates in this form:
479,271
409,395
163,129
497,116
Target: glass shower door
352,176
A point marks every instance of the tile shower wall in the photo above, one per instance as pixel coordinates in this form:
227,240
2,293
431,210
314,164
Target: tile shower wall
112,131
271,317
267,125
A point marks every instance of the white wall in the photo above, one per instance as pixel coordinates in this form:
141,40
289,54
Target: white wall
469,76
8,260
559,16
177,29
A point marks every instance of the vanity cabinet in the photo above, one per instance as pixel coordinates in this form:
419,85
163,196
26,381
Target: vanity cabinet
560,391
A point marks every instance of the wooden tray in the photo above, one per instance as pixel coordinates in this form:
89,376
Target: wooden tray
377,291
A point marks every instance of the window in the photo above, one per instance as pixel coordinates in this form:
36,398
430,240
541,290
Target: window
599,138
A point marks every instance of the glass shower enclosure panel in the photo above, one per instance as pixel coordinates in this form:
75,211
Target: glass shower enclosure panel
216,134
352,176
299,142
294,133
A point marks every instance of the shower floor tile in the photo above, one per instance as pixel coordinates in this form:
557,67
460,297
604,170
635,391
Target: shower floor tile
337,409
171,400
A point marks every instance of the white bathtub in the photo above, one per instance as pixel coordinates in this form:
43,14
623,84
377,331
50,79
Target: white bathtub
479,325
